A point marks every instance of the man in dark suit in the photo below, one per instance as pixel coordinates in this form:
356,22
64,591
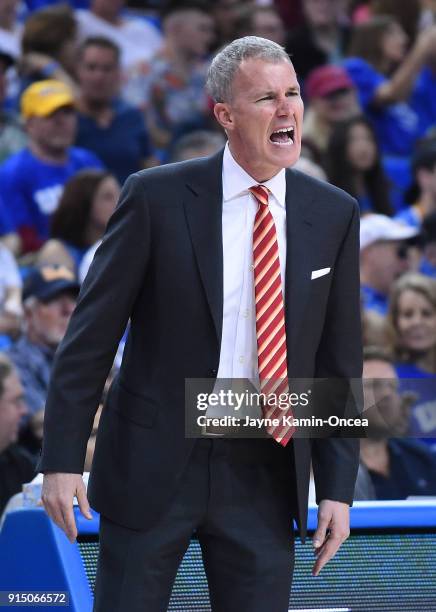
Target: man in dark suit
178,261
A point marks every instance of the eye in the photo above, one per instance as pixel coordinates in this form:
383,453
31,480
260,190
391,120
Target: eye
265,98
293,93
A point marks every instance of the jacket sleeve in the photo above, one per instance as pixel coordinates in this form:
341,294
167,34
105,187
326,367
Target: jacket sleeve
335,459
86,354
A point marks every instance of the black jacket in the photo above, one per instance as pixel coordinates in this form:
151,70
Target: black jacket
161,265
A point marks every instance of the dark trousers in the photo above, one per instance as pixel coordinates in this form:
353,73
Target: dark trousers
238,497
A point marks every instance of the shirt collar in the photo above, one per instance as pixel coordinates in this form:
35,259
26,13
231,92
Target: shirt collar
236,181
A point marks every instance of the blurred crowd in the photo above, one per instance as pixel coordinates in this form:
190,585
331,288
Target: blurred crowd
93,90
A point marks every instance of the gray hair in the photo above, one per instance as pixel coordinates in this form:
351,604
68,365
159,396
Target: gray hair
226,63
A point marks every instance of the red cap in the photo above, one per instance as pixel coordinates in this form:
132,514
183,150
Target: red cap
326,80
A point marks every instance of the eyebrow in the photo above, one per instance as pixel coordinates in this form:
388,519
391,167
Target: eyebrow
273,93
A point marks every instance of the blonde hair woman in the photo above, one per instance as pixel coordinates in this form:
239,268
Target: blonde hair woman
411,325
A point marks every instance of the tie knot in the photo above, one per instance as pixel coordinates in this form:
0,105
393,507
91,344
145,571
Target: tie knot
261,193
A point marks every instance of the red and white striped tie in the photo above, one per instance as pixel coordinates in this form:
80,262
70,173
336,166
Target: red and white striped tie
270,317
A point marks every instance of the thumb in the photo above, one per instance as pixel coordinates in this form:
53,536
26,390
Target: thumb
83,501
321,531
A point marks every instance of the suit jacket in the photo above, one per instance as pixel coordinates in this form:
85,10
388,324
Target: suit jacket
161,265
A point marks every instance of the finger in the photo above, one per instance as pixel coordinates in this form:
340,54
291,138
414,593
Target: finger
321,530
331,548
53,510
69,528
83,502
318,551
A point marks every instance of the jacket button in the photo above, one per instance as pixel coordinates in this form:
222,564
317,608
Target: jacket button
213,372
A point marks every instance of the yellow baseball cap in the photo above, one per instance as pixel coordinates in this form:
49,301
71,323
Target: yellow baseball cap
43,98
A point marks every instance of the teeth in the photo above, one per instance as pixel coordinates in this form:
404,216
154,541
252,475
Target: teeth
288,129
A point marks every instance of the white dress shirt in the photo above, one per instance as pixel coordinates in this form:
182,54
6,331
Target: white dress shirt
238,357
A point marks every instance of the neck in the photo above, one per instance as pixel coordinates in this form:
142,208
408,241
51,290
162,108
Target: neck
107,15
424,361
385,66
369,281
258,174
359,181
95,108
48,154
180,58
92,234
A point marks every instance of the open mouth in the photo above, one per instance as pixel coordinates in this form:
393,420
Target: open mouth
283,136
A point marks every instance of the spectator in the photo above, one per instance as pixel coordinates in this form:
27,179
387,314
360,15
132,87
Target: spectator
322,39
16,467
383,258
422,194
200,143
10,296
112,129
412,325
49,298
353,163
332,99
171,88
137,38
399,468
12,137
49,45
88,200
33,179
385,76
262,21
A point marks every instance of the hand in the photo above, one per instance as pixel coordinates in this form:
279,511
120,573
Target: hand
58,491
334,516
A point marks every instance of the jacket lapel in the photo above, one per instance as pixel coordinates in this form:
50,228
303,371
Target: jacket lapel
300,218
203,209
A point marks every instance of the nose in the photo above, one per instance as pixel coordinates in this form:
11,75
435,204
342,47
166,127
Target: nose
416,318
284,108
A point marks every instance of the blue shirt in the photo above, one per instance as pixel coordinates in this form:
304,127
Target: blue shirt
34,363
397,125
6,224
427,268
398,172
423,99
374,300
32,188
123,145
423,411
412,471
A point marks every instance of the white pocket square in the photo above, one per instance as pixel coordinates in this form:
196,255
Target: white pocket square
320,272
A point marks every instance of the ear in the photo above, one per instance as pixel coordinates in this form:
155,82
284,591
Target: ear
223,115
